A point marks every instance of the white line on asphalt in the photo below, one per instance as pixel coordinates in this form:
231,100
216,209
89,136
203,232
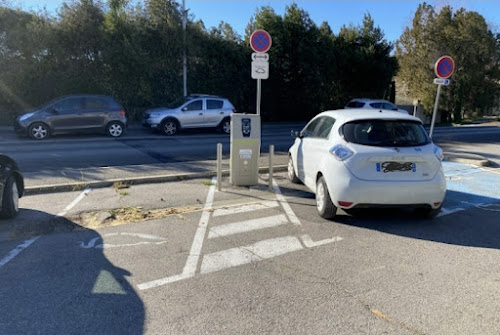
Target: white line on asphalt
17,250
74,202
194,255
247,226
251,253
288,210
445,211
245,208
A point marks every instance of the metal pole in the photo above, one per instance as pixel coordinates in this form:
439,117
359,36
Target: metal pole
258,95
435,110
219,166
271,156
184,58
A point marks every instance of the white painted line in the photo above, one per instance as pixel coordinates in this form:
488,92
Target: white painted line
445,211
194,255
247,226
74,202
308,242
251,253
245,208
160,282
288,210
17,250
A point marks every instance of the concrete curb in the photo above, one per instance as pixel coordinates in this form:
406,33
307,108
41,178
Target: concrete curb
466,158
69,187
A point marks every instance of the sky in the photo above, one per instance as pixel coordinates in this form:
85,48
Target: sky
392,16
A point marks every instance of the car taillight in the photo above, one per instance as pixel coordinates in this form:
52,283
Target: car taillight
235,111
345,203
122,112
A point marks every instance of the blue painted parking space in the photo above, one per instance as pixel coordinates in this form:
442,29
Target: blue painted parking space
469,186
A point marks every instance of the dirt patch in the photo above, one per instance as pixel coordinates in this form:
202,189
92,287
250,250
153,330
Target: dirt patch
115,217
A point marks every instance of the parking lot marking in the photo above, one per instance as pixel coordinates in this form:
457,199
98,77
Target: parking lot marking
245,208
17,250
152,239
74,202
247,226
288,210
250,253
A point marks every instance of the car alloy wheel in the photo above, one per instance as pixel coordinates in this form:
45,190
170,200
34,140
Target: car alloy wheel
226,126
38,131
169,127
115,129
324,204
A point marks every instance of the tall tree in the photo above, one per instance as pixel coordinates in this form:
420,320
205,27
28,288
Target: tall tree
465,37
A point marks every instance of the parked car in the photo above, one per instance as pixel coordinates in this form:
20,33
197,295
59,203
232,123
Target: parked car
365,159
374,104
197,111
11,187
74,113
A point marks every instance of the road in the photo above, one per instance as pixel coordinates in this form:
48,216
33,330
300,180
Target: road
247,260
140,146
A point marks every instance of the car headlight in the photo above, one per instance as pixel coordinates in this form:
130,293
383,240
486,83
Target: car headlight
25,116
154,115
340,152
438,152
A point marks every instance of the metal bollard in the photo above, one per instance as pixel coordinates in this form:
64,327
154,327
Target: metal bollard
271,156
219,166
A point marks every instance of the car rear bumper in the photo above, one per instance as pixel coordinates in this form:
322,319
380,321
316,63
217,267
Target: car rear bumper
363,193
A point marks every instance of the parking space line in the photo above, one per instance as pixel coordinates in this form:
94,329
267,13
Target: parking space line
74,202
251,253
17,250
247,226
245,208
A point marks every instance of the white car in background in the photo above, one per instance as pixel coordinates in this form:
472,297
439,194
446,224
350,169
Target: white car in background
364,159
374,104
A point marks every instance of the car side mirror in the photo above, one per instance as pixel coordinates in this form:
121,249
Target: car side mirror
295,133
184,109
53,111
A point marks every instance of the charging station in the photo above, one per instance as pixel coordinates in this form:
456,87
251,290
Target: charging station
245,149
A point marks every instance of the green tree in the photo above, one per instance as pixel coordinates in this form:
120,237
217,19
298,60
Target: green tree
465,37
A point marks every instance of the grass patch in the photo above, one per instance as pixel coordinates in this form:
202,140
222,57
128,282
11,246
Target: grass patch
208,183
119,185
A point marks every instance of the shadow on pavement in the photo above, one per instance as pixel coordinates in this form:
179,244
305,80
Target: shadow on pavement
475,226
55,286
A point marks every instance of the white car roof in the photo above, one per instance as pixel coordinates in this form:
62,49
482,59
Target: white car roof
347,115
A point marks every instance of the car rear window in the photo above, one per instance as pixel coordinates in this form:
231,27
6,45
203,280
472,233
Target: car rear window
385,133
214,104
355,104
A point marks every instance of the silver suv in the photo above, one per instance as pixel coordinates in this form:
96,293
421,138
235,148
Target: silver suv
374,104
197,111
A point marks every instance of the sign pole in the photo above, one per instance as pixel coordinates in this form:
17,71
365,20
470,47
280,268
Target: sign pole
435,110
259,88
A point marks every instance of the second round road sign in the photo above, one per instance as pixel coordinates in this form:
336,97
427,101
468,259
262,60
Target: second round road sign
260,41
444,67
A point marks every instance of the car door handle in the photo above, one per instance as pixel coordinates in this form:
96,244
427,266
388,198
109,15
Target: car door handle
222,113
200,114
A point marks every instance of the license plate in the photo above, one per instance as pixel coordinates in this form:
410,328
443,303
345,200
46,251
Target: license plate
396,167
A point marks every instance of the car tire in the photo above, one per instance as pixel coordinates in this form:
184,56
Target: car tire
115,129
427,212
10,199
292,176
39,131
324,204
225,126
170,127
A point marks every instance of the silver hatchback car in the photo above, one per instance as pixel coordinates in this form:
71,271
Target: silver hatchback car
71,114
197,111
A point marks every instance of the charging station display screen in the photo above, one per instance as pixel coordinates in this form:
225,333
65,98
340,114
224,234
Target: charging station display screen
246,127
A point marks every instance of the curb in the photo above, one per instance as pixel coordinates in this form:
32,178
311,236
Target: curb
69,187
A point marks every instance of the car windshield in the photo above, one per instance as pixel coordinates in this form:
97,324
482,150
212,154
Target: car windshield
385,133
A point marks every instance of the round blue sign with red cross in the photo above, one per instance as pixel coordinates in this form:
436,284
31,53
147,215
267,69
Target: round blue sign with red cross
444,67
260,41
